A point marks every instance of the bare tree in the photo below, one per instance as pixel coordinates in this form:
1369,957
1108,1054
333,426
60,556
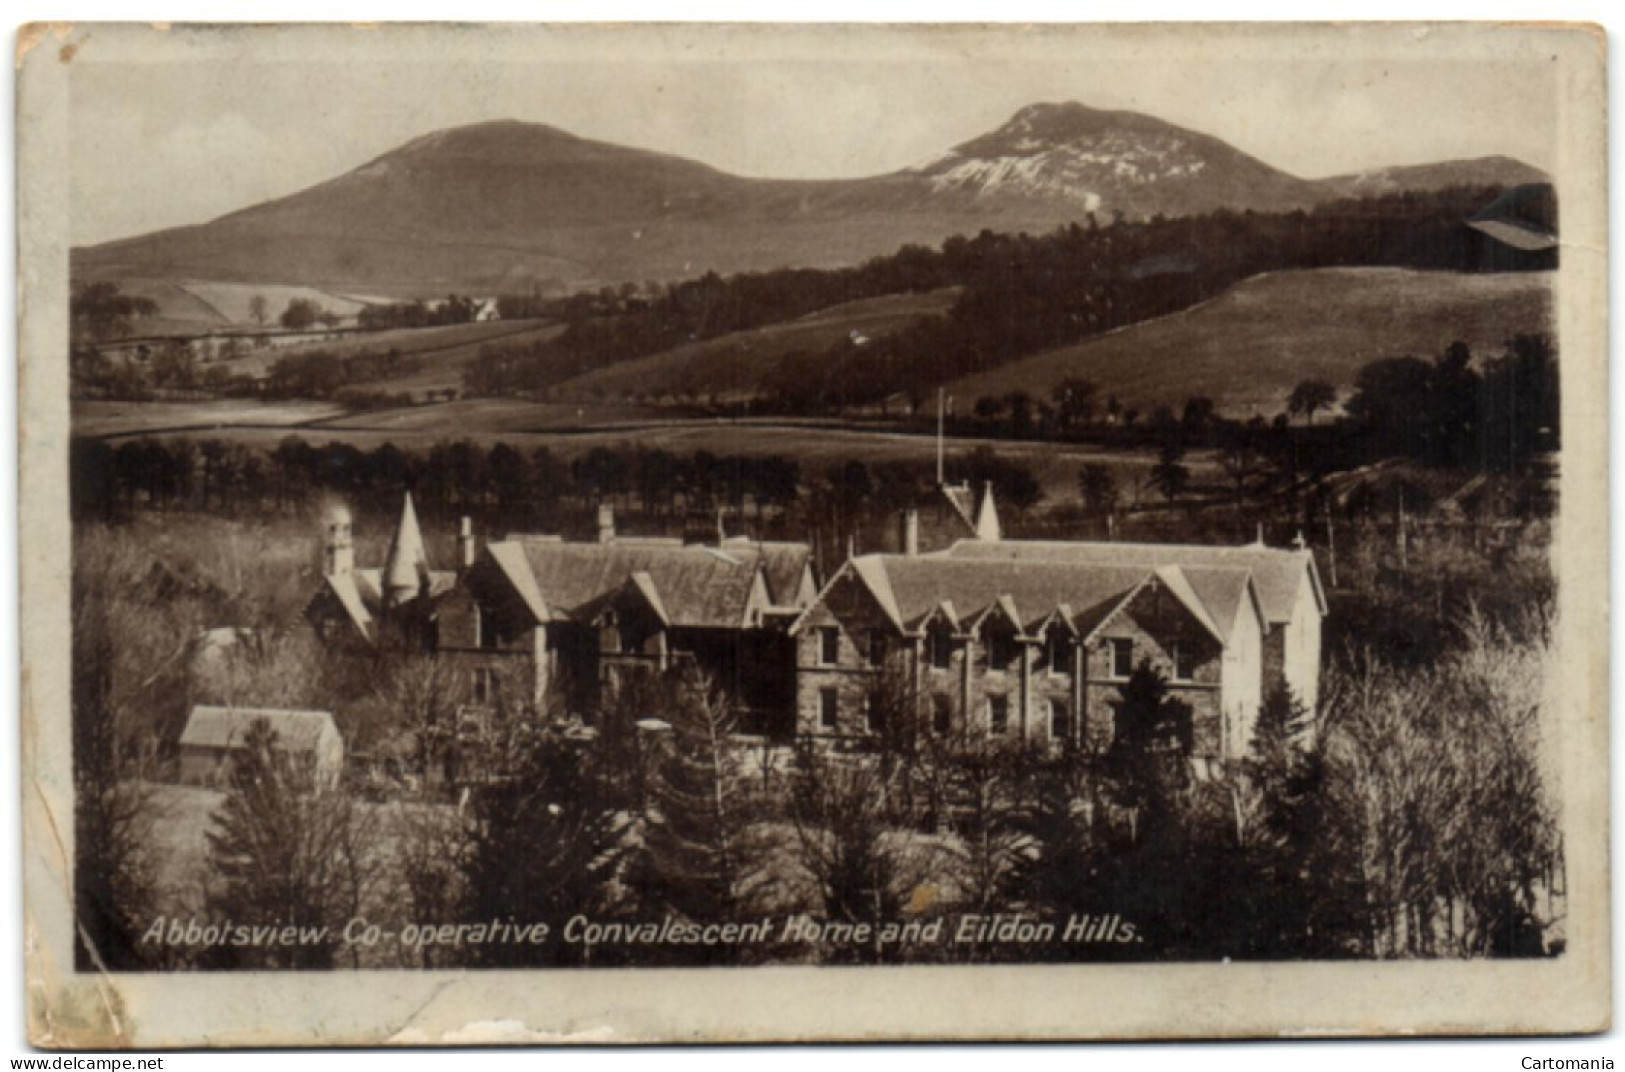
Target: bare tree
431,848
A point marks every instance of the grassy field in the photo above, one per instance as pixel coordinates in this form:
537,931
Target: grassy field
1249,347
444,351
180,312
734,366
117,419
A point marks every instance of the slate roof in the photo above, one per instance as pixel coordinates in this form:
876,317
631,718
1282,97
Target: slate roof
783,565
358,593
226,727
696,586
1277,572
913,589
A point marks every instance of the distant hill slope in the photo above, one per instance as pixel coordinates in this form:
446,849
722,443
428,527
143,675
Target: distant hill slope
1247,348
1481,171
511,206
441,352
736,365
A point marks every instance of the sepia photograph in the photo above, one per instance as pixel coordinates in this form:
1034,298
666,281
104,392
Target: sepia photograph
768,511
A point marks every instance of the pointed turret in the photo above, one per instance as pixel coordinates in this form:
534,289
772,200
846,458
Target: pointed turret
407,564
987,516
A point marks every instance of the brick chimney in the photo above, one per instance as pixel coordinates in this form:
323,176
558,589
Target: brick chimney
909,534
606,522
465,543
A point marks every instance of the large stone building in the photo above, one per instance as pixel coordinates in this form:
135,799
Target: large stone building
1030,640
537,621
1033,640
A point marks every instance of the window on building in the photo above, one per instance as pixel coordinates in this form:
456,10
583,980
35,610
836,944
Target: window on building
485,686
942,715
940,645
1122,649
1001,647
1183,654
998,714
829,645
1060,719
874,711
829,708
877,647
1057,650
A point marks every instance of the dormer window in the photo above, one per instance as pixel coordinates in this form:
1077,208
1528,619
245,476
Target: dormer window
1001,647
1057,650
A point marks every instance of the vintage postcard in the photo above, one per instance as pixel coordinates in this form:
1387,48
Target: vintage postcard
694,533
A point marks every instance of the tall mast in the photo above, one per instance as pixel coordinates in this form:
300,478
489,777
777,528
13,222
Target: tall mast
940,410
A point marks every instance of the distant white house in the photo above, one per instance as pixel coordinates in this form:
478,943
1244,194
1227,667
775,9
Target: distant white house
213,735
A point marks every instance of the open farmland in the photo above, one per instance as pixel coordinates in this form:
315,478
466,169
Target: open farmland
444,350
1247,348
736,365
234,301
180,312
99,419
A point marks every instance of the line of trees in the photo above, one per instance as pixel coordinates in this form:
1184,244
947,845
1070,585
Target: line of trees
1020,294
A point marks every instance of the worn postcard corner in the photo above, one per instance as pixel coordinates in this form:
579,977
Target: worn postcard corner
706,533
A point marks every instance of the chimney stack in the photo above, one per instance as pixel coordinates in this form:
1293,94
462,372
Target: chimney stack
910,538
339,557
606,522
465,543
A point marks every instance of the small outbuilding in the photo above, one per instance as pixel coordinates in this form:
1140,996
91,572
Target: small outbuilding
214,734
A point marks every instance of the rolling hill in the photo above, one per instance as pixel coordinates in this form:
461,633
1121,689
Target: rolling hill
1248,347
442,351
511,206
736,365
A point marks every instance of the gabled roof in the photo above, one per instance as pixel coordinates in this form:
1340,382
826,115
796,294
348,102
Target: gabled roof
343,588
225,727
510,559
959,497
917,586
695,585
784,563
1033,593
646,587
1277,572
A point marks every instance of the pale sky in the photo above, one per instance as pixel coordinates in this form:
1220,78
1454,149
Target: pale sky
162,138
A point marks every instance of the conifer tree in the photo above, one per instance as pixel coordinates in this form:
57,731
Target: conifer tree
697,860
284,854
545,845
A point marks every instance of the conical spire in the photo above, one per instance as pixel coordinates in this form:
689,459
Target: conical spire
407,563
987,516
